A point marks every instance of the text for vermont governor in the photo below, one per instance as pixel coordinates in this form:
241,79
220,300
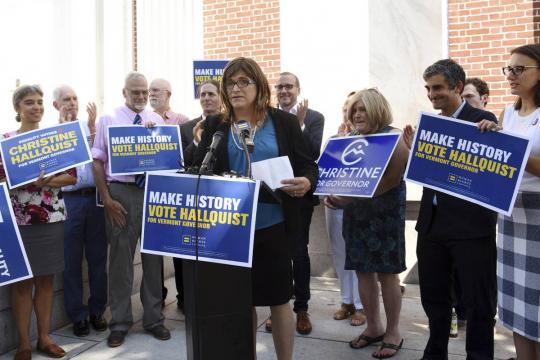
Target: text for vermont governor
189,210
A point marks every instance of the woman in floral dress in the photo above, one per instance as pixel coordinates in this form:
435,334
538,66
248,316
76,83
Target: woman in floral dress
40,213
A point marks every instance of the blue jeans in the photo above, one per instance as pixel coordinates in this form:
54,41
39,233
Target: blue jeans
84,234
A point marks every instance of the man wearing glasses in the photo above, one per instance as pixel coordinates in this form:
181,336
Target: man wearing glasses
159,96
312,125
123,200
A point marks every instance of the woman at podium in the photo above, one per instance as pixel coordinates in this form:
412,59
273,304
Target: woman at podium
269,132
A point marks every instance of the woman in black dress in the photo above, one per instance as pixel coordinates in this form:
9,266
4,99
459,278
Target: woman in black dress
245,95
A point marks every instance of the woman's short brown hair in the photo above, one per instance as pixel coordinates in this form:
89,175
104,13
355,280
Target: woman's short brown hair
253,71
23,91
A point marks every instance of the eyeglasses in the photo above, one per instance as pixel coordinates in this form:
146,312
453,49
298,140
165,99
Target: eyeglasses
517,70
280,87
241,83
156,90
138,92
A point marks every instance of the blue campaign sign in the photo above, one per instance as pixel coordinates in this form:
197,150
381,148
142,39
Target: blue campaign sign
14,264
217,223
204,70
135,149
354,165
51,150
454,157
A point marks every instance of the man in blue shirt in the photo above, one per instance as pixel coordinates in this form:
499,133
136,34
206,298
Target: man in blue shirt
84,230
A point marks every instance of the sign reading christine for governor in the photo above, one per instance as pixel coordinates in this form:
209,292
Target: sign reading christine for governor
51,150
354,165
14,264
454,157
222,221
135,149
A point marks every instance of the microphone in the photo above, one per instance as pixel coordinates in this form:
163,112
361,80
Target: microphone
210,154
243,128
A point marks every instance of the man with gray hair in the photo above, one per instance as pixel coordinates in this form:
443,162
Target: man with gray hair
159,96
84,230
123,200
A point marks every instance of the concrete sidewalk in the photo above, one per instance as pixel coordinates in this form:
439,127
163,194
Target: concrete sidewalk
329,339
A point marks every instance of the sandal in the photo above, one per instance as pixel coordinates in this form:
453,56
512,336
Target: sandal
344,311
385,345
368,341
358,318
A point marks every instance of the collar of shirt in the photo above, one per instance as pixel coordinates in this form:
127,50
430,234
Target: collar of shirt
293,110
458,111
130,114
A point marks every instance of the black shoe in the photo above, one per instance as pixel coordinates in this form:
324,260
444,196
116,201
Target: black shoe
160,332
81,328
98,323
116,338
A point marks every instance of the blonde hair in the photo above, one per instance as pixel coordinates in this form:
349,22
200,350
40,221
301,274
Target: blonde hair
377,107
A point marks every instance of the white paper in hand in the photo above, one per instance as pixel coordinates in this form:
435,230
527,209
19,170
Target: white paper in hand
272,171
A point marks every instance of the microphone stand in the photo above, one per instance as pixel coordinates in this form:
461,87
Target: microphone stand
246,154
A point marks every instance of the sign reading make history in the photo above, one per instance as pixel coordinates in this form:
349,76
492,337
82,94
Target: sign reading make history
50,150
354,165
14,264
454,157
135,149
215,224
204,70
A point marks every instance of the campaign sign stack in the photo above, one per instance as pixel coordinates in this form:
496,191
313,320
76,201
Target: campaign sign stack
210,219
50,150
454,157
14,264
137,149
354,165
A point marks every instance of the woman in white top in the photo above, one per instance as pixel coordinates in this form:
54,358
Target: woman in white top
518,265
351,305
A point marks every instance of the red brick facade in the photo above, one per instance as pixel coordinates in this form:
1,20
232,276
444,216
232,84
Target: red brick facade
249,28
481,35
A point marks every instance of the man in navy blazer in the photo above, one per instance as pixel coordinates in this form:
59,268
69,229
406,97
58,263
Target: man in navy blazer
456,233
312,125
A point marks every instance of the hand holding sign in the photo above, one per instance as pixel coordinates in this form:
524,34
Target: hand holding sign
486,125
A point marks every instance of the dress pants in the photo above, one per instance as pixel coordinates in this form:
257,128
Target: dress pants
301,263
474,262
179,280
123,243
84,235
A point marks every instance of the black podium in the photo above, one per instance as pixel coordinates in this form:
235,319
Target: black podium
218,308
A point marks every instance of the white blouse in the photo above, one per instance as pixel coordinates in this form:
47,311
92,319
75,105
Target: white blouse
528,126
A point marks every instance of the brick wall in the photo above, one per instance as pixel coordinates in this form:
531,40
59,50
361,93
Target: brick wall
249,28
481,35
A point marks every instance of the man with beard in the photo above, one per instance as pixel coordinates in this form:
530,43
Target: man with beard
123,200
159,96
